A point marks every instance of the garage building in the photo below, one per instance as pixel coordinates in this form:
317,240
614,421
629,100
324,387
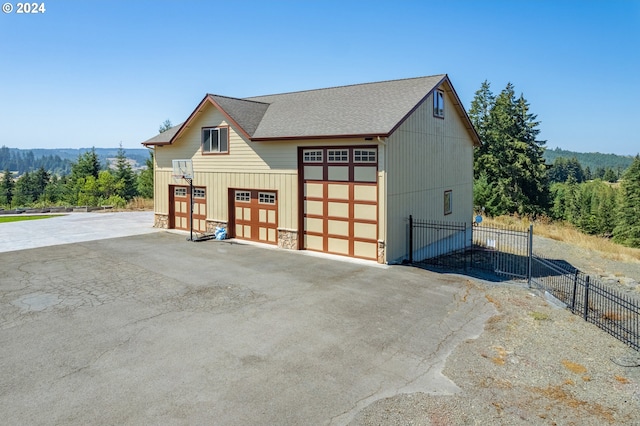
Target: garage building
335,170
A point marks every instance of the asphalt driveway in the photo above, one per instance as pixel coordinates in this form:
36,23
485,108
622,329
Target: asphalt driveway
152,329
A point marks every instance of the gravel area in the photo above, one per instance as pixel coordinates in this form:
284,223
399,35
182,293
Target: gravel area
591,262
534,364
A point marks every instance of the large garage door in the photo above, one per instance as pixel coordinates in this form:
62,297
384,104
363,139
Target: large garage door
255,215
340,201
180,214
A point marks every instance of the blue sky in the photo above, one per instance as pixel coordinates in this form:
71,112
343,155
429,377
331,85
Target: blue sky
100,73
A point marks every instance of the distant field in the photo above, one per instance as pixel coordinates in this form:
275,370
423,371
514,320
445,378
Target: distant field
5,219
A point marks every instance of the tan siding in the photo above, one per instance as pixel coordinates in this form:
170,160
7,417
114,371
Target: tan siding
427,156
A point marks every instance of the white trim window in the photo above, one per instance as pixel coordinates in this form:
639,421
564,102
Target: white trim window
338,155
312,156
215,140
180,191
266,197
364,155
448,202
243,196
199,193
438,104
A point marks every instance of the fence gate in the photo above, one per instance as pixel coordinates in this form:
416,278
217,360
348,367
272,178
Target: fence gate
502,250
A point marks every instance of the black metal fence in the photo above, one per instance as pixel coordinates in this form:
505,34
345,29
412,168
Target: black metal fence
508,251
502,250
610,309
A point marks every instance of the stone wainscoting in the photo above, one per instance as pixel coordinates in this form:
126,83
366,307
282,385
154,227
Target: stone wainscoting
381,249
161,221
213,224
287,239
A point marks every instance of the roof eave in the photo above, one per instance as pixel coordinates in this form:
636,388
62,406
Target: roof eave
207,98
148,144
316,137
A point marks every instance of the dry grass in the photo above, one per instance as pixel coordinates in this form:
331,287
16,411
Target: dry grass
574,367
139,203
568,234
557,395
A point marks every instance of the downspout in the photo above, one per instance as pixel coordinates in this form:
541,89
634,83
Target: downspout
383,144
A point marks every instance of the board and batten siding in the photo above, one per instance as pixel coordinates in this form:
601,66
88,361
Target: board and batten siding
268,165
427,156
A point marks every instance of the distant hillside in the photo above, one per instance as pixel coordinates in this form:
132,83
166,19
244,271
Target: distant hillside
140,155
58,160
593,160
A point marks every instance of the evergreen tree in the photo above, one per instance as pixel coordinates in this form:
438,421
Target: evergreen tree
165,126
479,113
25,192
79,185
7,187
145,179
88,164
125,176
610,176
510,155
54,191
627,230
41,179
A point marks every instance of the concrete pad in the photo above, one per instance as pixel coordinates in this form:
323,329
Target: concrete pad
153,329
73,228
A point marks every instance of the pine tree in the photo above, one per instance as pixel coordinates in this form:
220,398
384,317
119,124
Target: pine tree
88,164
165,126
41,179
124,176
7,187
510,155
610,176
25,191
627,230
145,179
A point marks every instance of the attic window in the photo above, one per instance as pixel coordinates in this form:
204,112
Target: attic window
438,104
215,140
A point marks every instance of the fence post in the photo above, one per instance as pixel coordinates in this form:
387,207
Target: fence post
586,298
410,239
464,252
530,254
575,290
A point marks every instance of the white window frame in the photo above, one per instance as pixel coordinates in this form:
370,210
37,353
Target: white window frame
438,104
365,156
215,144
243,196
267,198
337,155
199,193
448,202
312,155
180,191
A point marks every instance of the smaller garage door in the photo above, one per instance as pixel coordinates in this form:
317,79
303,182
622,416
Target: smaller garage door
181,215
256,215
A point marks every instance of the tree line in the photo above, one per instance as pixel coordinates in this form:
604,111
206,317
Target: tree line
511,177
88,184
22,162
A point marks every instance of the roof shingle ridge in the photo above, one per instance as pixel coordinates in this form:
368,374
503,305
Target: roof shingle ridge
237,99
342,86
